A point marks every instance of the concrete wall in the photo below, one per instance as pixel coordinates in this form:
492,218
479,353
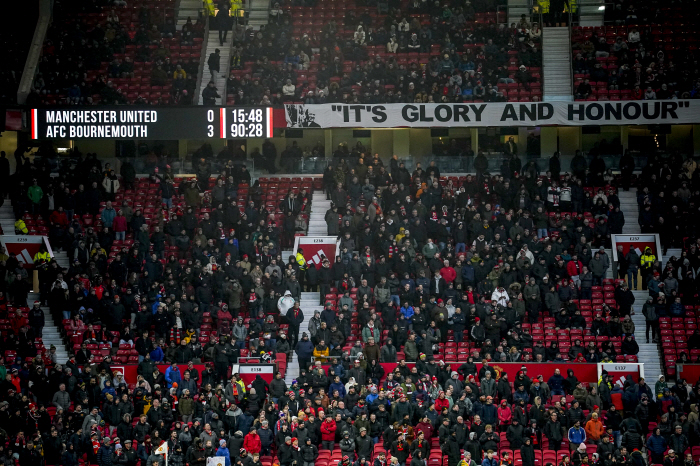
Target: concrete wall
417,142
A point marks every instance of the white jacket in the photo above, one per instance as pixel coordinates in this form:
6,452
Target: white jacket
500,295
285,303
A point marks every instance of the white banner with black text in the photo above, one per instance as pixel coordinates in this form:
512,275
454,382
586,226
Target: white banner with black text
415,115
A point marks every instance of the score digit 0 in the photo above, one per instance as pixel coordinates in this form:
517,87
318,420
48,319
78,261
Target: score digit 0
210,119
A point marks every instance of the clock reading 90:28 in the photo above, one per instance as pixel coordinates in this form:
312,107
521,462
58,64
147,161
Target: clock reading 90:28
246,130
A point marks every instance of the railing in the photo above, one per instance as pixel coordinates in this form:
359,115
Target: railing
35,49
571,58
202,61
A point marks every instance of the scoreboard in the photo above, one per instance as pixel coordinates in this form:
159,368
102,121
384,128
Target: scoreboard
152,123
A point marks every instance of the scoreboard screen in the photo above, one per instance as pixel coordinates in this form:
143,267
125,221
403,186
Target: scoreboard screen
151,123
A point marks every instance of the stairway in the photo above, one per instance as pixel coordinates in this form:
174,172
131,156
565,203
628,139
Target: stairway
592,13
258,13
628,206
52,332
648,352
517,8
225,60
556,62
309,304
319,207
188,9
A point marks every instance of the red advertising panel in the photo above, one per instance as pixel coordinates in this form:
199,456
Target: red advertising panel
619,372
317,247
130,373
584,372
248,372
639,242
24,247
689,372
587,373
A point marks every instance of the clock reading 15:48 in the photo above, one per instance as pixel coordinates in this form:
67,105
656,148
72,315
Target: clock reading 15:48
246,122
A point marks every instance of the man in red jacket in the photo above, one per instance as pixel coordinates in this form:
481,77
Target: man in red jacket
574,268
252,441
328,433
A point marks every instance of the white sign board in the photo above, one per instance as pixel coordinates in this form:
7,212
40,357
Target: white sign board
216,461
620,372
637,242
317,247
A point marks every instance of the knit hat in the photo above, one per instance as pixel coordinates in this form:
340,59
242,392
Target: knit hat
222,442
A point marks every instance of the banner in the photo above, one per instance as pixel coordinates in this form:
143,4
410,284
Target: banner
620,372
130,371
25,247
689,372
248,372
162,449
493,114
584,372
640,242
317,247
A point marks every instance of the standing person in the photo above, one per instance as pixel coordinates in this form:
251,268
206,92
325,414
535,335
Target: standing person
295,317
222,19
4,174
555,166
646,263
35,195
651,318
304,349
214,63
633,262
37,319
626,169
301,262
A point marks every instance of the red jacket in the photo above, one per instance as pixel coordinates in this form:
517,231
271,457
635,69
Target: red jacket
328,430
59,218
449,274
119,223
571,268
252,443
505,415
426,428
18,322
441,404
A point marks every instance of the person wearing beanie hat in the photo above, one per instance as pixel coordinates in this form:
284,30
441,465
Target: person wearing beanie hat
223,451
478,332
286,453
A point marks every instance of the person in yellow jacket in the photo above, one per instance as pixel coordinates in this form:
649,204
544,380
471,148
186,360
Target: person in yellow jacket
321,352
42,258
20,227
300,259
301,262
239,383
646,263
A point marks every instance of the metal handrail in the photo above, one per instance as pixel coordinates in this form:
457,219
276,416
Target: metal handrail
202,60
571,58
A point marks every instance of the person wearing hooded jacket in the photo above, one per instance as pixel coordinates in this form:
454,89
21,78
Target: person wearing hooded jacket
308,453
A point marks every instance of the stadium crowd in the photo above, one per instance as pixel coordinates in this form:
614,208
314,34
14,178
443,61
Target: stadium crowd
427,266
110,54
646,52
386,52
